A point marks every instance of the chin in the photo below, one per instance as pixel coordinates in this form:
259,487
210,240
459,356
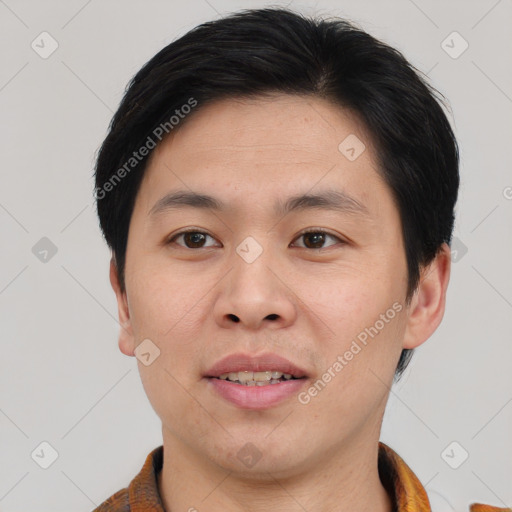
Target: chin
257,456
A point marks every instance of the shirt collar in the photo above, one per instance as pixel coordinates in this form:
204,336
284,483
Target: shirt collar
405,490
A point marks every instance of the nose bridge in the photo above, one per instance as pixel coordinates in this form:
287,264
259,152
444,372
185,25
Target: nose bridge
251,260
250,250
253,293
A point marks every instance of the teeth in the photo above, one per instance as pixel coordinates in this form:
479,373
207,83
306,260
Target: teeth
244,377
260,378
258,383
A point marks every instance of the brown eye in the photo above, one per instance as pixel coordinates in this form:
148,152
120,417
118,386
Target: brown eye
315,239
192,239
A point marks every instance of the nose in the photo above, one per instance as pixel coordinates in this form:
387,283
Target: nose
255,294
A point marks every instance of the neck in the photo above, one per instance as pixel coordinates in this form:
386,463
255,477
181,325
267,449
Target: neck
344,480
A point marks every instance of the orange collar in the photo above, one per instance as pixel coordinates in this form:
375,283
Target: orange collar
405,490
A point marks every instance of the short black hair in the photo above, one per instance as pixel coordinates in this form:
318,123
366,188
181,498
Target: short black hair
254,52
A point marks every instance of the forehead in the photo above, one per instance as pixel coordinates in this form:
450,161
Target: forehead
278,144
300,127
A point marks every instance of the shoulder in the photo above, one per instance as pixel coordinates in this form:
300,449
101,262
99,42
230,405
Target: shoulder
479,507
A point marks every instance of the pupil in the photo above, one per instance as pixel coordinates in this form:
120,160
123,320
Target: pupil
319,236
196,237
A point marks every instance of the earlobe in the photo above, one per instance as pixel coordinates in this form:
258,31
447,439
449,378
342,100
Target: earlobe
126,338
428,303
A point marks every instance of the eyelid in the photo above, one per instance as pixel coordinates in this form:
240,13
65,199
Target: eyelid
302,233
320,230
171,238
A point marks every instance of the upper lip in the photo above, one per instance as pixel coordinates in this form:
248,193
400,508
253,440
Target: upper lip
240,362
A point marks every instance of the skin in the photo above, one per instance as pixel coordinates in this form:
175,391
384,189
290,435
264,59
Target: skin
319,456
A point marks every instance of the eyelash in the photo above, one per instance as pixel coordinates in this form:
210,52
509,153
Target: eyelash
309,231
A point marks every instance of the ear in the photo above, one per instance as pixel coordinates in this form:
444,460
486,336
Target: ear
126,339
428,302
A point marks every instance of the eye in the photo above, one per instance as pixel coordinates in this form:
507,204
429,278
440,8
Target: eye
316,237
194,239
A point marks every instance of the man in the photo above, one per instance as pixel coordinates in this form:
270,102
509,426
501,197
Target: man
278,193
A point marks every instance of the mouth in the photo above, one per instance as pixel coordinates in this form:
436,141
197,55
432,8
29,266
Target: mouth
262,378
255,382
245,368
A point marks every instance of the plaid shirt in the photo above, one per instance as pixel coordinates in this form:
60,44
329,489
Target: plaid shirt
404,488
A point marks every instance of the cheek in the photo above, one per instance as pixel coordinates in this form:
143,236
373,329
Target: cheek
359,361
363,317
166,308
351,298
161,300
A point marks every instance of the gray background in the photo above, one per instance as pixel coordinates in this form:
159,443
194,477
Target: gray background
63,379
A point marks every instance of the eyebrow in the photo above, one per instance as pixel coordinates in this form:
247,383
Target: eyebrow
334,200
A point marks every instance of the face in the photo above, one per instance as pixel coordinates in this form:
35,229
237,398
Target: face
203,283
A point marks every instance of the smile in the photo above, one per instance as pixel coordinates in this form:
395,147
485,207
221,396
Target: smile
264,378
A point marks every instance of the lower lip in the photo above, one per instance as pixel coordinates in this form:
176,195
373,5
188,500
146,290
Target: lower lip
256,397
